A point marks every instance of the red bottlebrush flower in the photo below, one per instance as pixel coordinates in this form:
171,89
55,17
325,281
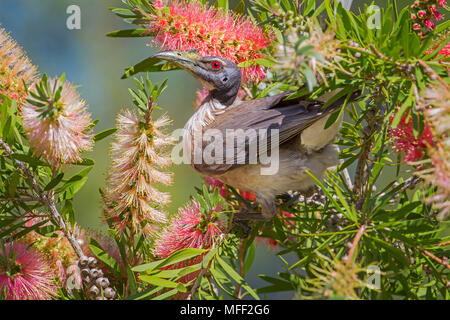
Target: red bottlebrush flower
15,69
58,131
404,140
445,51
185,25
24,274
248,195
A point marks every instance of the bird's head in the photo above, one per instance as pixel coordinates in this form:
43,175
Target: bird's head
220,76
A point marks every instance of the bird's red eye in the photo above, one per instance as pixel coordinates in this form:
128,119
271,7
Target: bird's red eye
215,65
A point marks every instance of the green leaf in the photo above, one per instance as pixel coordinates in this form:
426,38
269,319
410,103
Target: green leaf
240,8
85,162
261,61
160,282
222,4
250,258
103,256
102,135
29,159
130,33
54,182
176,257
143,66
236,277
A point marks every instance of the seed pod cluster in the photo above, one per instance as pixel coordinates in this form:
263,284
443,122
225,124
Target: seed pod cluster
96,284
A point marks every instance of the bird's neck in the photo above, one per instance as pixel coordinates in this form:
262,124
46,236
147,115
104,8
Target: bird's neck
206,113
226,96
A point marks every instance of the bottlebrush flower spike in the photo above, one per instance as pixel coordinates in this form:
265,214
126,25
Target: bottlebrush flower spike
56,121
16,70
185,25
24,274
438,115
426,11
192,227
56,249
137,154
324,44
405,141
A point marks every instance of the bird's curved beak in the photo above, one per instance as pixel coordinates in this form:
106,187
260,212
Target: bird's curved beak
187,60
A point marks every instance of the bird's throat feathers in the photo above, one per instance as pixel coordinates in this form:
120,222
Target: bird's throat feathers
205,114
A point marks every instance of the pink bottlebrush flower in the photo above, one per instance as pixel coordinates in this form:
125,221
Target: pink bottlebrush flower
137,154
16,70
432,8
404,140
59,131
413,16
416,26
191,228
25,275
185,25
201,96
213,182
442,3
416,4
429,24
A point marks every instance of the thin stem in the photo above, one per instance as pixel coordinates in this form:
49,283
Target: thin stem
358,236
238,292
47,198
432,256
22,199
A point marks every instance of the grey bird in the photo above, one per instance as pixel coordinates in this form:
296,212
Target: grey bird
303,142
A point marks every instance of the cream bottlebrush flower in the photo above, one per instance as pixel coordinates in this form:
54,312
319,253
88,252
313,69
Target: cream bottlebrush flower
138,153
438,116
323,43
185,25
335,279
57,125
25,274
16,70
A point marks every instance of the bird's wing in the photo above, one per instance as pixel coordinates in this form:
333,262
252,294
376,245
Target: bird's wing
256,118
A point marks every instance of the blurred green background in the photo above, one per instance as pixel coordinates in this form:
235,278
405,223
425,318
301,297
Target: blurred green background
96,63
